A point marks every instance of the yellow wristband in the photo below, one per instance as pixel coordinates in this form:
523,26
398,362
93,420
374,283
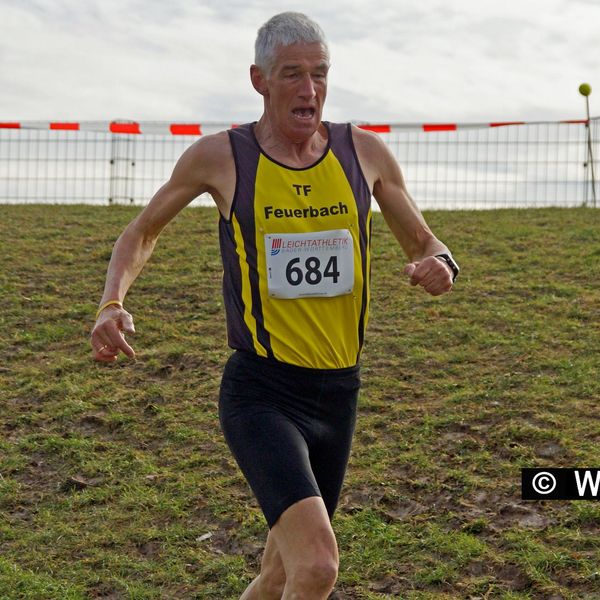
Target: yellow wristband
107,304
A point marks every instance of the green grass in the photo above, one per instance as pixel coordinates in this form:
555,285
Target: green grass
111,475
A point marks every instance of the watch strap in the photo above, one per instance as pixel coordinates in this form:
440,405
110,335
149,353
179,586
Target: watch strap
451,263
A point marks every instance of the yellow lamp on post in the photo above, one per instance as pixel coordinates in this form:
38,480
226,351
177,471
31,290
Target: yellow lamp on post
585,89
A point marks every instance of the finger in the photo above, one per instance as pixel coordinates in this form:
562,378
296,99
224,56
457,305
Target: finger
448,273
106,355
437,271
437,290
127,323
118,342
412,270
409,269
431,279
127,349
439,286
443,281
420,274
99,340
113,340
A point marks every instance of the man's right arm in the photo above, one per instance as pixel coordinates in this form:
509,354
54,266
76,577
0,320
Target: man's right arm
402,215
197,171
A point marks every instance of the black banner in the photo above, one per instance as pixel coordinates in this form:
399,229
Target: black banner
560,484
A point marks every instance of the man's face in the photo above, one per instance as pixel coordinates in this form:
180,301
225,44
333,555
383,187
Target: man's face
296,87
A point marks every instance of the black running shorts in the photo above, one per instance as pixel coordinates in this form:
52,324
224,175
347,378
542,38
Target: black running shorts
289,428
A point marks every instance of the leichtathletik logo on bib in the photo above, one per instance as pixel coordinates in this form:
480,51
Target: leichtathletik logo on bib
301,265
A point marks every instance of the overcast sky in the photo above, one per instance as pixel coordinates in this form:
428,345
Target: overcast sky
392,60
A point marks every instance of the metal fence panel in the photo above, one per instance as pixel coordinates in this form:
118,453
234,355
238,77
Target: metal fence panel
470,166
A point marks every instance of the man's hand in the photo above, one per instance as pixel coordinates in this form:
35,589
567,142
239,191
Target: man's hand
432,274
108,335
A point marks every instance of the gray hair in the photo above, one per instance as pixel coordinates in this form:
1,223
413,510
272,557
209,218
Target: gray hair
284,29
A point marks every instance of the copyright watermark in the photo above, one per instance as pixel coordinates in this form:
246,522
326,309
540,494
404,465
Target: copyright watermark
543,483
560,484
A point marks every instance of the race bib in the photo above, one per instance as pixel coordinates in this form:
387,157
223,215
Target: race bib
318,264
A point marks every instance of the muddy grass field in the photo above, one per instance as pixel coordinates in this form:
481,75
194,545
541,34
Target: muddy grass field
116,483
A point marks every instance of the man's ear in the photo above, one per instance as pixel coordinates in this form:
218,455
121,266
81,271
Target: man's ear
259,81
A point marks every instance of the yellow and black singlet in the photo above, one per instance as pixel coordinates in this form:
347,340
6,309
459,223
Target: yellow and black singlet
296,254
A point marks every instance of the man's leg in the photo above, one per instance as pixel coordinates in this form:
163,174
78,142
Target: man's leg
270,583
306,568
308,550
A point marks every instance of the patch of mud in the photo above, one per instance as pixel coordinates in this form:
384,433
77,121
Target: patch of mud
224,541
391,585
149,549
513,577
522,515
549,450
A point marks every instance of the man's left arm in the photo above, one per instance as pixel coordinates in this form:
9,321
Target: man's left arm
403,217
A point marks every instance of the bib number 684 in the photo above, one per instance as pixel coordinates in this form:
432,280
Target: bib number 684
295,274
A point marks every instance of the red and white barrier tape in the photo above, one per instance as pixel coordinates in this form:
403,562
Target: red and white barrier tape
197,129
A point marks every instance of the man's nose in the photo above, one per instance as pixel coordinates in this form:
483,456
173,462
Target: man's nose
307,89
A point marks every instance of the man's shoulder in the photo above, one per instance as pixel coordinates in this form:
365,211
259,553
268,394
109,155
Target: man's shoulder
207,160
214,141
372,152
367,143
364,134
212,147
361,136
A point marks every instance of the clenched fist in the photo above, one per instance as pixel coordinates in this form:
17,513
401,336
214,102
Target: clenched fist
431,273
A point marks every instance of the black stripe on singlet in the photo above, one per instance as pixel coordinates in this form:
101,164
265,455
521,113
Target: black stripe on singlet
246,165
346,154
366,276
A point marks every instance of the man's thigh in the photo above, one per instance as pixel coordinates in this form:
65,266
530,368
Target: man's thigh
272,454
303,535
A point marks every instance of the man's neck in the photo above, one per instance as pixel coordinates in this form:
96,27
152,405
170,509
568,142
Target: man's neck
293,152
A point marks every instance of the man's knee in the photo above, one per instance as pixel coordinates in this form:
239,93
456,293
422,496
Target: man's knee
318,575
308,549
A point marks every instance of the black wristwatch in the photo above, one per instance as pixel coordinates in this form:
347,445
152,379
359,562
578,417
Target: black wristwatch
451,263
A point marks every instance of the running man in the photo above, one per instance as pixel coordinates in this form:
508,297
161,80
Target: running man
294,196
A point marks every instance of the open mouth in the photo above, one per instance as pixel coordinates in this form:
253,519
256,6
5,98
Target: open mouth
304,113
